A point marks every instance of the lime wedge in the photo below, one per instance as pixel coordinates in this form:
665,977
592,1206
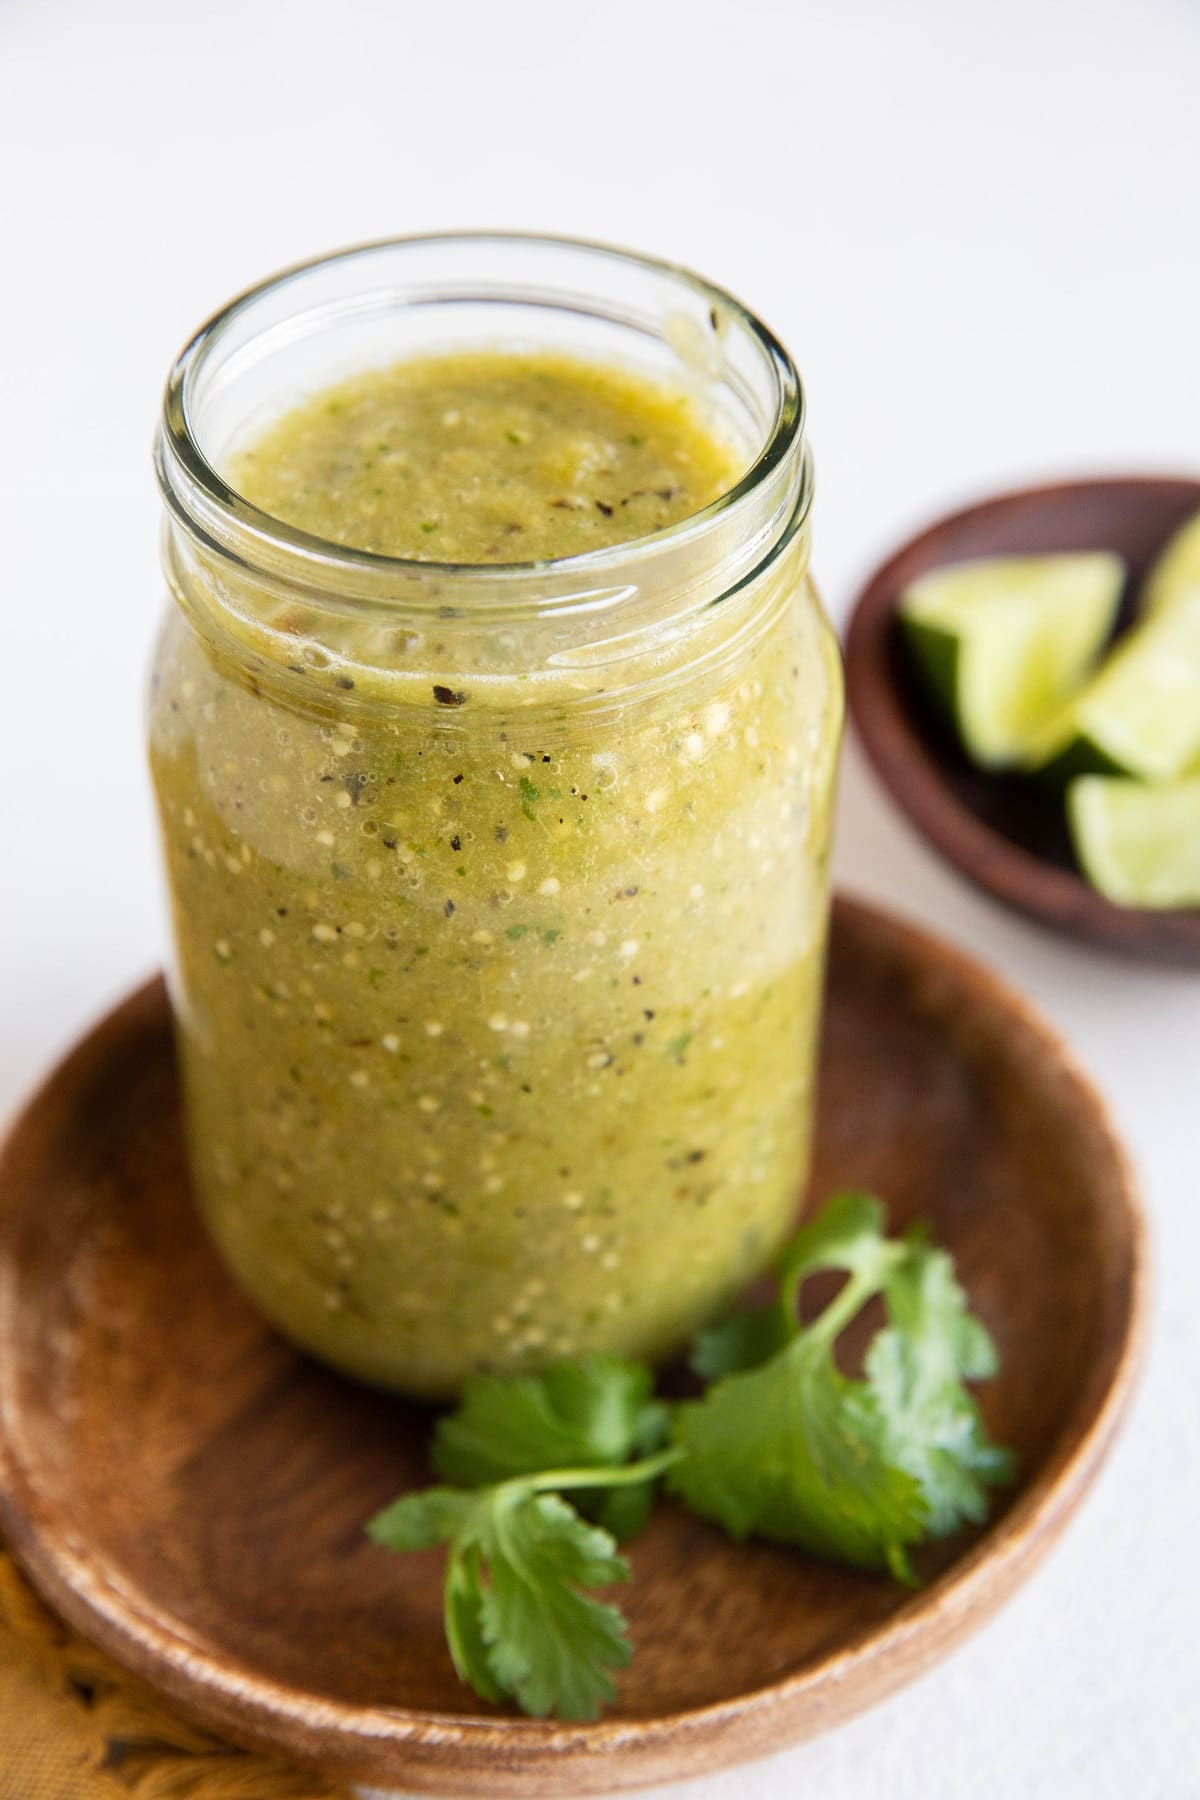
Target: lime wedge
1139,845
1140,714
1176,571
1003,643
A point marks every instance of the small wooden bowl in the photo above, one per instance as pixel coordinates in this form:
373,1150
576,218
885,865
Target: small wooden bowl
1008,834
190,1492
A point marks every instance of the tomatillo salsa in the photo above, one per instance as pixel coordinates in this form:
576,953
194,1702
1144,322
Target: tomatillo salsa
496,985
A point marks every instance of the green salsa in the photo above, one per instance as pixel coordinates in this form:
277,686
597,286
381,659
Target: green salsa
487,458
496,986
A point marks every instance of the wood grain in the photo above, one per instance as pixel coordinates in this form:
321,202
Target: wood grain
1008,834
190,1492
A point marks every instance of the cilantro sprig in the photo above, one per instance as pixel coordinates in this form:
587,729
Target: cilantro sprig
595,1413
783,1445
519,1621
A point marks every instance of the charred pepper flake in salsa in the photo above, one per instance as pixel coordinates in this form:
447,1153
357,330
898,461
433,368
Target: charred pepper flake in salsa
566,1109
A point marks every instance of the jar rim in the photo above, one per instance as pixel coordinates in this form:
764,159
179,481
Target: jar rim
206,503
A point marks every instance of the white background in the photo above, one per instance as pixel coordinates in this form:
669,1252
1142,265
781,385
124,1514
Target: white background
978,228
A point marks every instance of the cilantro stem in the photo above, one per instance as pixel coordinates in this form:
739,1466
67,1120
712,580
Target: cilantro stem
627,1475
853,1295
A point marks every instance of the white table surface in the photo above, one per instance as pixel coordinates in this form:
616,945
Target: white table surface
975,225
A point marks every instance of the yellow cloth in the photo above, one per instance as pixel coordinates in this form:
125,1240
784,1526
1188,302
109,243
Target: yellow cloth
74,1727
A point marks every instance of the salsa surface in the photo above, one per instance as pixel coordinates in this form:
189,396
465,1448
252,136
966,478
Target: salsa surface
496,1018
487,458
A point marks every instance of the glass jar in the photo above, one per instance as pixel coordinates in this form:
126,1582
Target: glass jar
499,892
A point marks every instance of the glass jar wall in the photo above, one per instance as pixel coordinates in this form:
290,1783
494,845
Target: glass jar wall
499,892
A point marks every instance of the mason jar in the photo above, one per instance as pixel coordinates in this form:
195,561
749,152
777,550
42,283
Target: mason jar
498,891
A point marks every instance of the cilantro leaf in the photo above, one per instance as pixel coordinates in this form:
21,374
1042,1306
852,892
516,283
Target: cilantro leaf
916,1368
418,1521
742,1341
858,1470
593,1413
442,1515
519,1623
551,1645
598,1410
792,1451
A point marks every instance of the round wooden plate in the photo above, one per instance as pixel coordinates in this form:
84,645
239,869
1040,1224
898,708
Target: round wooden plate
1007,833
190,1493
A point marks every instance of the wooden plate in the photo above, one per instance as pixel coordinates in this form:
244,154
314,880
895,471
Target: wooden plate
1008,834
190,1492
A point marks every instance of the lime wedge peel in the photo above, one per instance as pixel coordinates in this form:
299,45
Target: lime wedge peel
1138,845
1004,642
1175,571
1140,714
